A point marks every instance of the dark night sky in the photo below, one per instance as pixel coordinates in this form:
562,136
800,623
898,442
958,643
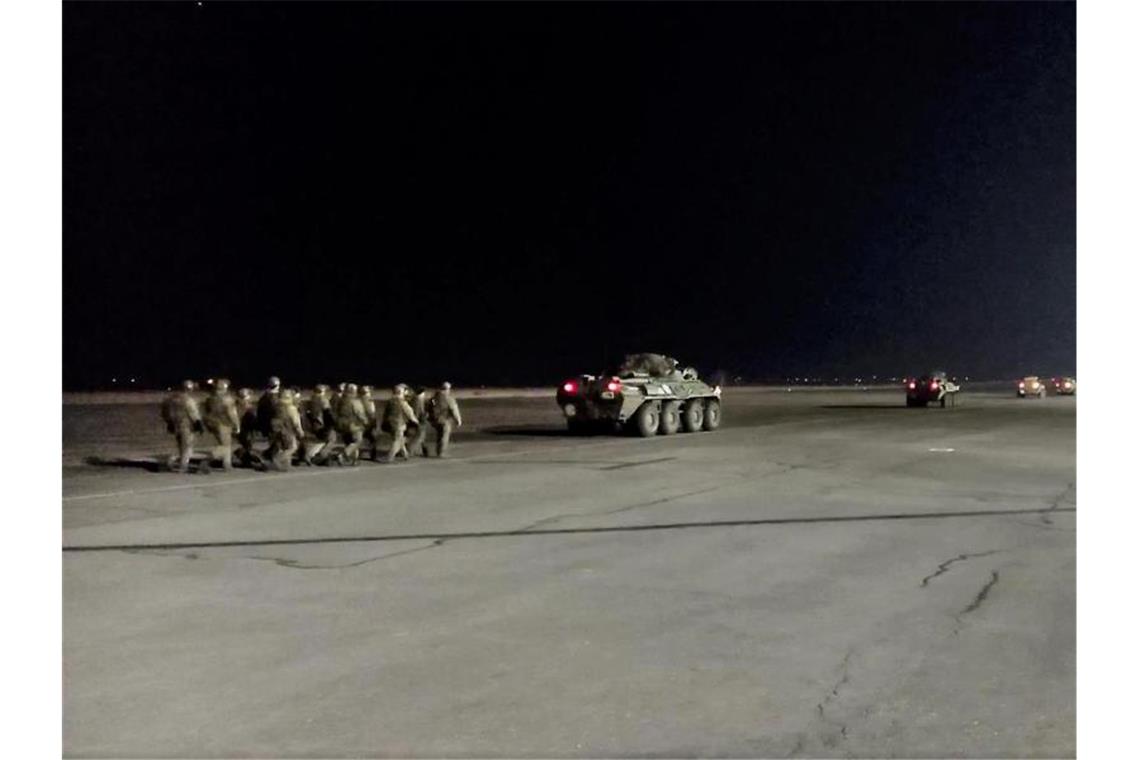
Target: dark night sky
515,193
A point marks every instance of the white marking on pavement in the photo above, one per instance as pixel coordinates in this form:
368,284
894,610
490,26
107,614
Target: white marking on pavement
941,451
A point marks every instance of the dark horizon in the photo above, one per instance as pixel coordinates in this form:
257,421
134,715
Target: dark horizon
509,194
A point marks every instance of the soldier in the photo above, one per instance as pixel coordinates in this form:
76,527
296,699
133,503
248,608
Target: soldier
286,431
222,420
247,426
418,443
322,424
336,396
369,404
180,413
266,406
444,415
397,414
351,419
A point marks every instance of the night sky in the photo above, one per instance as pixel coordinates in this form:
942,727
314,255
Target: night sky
515,193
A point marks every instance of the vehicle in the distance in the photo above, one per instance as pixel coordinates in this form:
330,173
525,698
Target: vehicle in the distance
931,388
647,395
1031,385
1065,386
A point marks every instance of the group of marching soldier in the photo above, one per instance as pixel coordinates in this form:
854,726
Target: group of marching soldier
329,427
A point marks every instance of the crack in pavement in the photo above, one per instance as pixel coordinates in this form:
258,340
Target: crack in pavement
1055,504
979,598
834,738
296,564
946,565
639,505
662,500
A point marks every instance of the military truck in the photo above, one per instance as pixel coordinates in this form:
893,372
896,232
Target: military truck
647,395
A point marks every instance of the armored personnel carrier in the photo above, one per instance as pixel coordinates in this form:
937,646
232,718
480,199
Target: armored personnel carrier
933,387
647,395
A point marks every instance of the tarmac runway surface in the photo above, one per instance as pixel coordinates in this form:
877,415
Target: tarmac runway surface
830,574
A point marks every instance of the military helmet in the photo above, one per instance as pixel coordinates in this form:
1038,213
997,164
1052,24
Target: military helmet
365,390
245,393
222,384
275,382
321,389
445,386
350,388
188,385
341,386
287,396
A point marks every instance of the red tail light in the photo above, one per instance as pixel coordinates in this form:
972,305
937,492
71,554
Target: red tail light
614,385
911,385
1021,384
570,387
933,385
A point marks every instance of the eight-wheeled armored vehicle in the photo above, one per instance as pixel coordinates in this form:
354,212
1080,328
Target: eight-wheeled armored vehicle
648,394
933,387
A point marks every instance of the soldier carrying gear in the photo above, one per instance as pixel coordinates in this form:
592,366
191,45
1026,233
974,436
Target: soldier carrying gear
336,396
286,431
397,414
351,419
418,444
322,423
444,415
266,405
247,426
180,413
369,404
656,365
222,420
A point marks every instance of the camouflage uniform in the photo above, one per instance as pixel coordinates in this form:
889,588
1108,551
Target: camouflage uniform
418,444
183,420
222,421
657,365
351,419
247,426
369,404
336,396
397,414
444,415
322,424
286,431
266,406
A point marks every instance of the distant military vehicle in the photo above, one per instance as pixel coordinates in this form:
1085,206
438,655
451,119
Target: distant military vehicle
648,394
1065,386
931,387
1030,385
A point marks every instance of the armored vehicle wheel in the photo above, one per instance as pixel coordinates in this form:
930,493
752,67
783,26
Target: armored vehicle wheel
646,420
911,403
670,418
712,414
694,416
